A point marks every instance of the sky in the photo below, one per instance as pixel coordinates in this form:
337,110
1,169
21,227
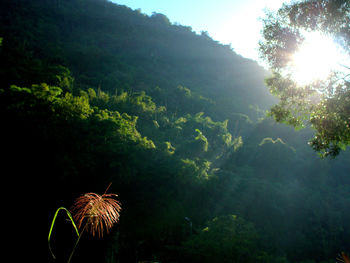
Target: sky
234,22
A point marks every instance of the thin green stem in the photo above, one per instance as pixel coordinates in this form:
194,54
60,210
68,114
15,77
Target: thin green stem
53,223
76,243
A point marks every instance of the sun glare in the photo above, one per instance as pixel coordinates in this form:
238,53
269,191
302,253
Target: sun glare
316,58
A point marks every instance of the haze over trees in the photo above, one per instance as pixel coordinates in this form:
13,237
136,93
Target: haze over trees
93,92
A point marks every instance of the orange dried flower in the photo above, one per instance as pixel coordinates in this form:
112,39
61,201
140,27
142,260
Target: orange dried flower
99,212
343,258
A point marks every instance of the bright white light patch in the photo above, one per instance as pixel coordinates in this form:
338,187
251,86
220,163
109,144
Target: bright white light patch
316,58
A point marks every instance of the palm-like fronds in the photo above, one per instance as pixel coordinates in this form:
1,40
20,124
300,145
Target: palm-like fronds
99,212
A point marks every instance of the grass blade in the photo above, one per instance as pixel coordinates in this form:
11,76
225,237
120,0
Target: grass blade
53,223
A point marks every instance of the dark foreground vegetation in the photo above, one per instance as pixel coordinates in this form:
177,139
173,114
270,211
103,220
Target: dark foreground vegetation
93,93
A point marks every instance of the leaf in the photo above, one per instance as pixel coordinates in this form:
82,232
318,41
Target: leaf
53,223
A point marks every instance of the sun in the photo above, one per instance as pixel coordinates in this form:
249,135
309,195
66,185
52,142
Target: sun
316,58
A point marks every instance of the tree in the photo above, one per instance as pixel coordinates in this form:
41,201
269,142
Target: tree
227,238
160,18
325,105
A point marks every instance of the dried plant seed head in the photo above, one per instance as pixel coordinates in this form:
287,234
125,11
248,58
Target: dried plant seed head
98,213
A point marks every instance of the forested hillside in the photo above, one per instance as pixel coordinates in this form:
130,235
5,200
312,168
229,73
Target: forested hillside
93,92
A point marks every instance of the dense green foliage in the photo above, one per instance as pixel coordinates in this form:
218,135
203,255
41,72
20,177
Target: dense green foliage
93,93
322,104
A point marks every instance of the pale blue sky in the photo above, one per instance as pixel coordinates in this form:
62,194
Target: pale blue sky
227,21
